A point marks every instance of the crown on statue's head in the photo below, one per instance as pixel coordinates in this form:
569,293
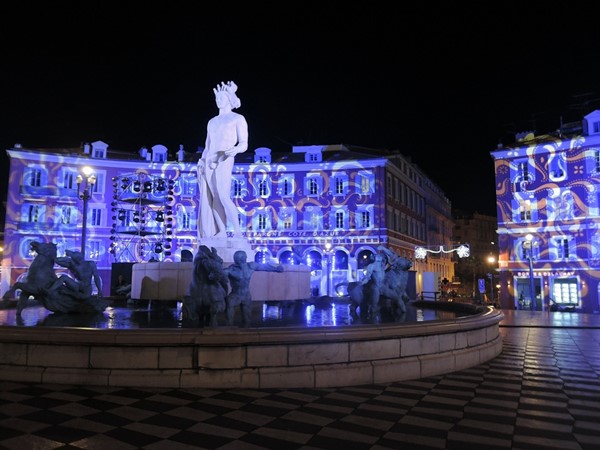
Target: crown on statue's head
229,87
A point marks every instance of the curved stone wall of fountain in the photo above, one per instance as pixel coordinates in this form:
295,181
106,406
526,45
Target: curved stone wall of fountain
231,357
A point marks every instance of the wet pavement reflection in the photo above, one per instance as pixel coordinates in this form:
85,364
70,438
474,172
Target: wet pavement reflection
162,314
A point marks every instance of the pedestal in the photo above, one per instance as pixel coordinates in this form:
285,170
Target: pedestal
226,247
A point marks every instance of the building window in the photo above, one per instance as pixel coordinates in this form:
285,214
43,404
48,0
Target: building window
365,183
286,218
263,188
313,219
339,184
125,217
403,224
313,187
262,221
69,180
34,177
561,248
522,175
34,213
524,170
237,188
98,186
525,210
339,219
96,217
364,219
188,186
565,291
524,248
287,187
67,215
94,249
184,219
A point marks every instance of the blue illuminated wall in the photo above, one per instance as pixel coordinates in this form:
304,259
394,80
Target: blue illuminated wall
548,186
326,206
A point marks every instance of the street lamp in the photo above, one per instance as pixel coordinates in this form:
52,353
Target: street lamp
90,180
491,260
528,246
328,254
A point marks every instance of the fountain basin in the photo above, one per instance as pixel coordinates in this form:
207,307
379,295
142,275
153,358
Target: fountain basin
251,358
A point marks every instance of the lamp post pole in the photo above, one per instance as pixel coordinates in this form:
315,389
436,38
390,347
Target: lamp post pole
491,260
529,247
328,251
88,182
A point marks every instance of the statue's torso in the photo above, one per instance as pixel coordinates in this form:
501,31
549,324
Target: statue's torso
222,130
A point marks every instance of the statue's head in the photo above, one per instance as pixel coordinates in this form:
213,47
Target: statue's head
239,257
228,90
402,263
74,255
44,248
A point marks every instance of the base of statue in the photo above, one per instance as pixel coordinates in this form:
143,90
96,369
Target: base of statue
226,247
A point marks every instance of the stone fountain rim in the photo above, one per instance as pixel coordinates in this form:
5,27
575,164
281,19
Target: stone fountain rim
224,335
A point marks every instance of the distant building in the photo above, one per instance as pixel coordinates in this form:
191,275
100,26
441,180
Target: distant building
325,206
479,231
548,208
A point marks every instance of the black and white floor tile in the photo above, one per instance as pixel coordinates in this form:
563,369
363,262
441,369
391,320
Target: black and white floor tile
541,392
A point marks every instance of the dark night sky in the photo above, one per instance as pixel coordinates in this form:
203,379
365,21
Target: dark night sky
441,84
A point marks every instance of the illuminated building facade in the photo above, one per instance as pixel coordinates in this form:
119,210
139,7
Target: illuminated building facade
329,207
548,209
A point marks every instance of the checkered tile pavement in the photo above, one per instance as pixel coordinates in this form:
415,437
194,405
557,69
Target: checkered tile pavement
541,392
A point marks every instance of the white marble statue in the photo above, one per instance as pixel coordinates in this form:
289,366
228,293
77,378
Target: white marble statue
227,135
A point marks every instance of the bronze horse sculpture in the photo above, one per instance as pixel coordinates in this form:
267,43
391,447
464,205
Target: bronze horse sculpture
39,282
392,289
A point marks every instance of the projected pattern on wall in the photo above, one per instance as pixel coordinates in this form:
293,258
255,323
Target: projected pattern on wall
548,187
